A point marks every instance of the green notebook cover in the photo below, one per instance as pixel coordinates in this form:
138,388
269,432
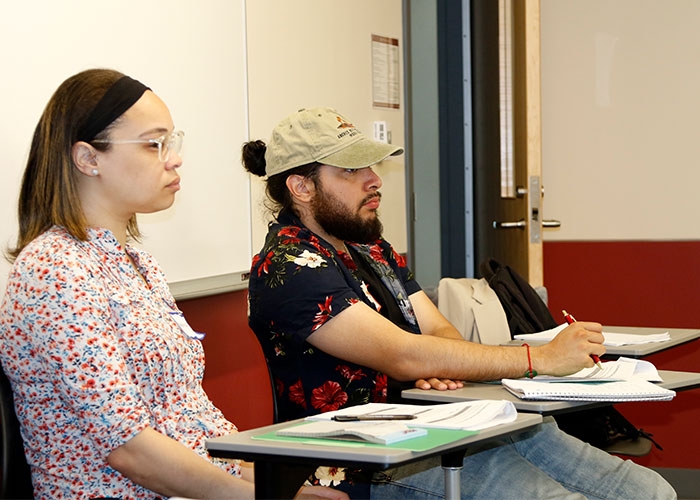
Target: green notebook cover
434,438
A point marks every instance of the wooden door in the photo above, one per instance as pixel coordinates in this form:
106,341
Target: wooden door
507,150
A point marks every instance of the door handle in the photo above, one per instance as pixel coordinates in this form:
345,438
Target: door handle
521,224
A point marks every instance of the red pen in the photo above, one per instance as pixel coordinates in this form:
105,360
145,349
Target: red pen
570,319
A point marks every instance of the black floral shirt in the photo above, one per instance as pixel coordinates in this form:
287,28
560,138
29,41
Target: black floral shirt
298,282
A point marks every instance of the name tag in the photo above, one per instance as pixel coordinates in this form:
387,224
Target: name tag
185,326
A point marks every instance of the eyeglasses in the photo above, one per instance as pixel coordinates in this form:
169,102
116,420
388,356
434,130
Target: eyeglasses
167,143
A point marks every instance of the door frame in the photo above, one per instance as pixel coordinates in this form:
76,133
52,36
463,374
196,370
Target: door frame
470,136
455,140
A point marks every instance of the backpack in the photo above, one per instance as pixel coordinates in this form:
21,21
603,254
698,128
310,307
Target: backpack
603,427
525,310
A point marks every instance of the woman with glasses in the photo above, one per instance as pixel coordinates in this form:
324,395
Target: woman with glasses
105,370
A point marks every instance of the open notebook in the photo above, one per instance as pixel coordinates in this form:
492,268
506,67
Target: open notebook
618,391
466,415
620,369
618,381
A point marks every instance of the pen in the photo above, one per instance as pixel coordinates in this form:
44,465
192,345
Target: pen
357,418
570,319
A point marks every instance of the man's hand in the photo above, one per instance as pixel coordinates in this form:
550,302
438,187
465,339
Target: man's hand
570,351
441,384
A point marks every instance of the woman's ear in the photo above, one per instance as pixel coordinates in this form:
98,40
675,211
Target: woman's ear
85,158
301,188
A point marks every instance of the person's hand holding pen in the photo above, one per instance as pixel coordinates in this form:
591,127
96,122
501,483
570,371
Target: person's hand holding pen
571,350
570,320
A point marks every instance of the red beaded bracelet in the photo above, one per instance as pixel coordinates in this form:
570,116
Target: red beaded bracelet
530,372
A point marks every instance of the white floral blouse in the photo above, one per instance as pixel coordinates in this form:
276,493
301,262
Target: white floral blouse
95,355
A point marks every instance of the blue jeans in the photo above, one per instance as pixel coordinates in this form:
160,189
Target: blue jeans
542,463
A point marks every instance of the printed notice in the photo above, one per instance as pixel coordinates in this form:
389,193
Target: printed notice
385,72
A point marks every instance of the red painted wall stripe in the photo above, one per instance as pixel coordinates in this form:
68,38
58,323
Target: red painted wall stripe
643,283
236,377
639,283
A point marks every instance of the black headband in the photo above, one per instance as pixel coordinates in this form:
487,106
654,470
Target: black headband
121,96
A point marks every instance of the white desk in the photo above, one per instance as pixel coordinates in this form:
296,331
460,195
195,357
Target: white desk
483,390
270,456
678,336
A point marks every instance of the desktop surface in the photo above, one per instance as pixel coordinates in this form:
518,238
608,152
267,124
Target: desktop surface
281,466
243,445
678,336
673,380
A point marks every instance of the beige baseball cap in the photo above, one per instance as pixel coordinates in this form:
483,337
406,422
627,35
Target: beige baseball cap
322,135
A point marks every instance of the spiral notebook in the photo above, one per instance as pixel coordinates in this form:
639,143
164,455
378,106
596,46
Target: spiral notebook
613,391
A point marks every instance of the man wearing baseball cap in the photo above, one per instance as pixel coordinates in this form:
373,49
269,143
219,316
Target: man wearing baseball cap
339,317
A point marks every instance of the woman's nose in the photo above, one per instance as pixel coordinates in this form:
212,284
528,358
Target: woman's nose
174,161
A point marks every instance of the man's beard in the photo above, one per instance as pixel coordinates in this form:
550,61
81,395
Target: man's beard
337,220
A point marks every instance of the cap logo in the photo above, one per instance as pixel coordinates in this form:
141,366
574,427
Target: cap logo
343,123
350,130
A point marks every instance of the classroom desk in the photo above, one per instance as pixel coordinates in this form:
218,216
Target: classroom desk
271,456
678,336
677,381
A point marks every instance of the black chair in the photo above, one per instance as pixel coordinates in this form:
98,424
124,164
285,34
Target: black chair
15,475
275,412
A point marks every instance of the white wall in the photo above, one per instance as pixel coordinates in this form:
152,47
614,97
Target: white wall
620,101
192,55
300,53
307,53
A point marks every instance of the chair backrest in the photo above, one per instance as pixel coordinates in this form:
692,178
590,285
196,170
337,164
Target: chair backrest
275,413
15,475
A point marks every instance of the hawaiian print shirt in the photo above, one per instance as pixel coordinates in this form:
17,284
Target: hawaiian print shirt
297,283
94,354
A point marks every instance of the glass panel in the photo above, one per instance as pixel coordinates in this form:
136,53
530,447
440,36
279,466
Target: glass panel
505,72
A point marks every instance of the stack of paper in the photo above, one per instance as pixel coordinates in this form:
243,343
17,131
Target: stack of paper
611,338
616,339
620,369
373,432
617,381
467,415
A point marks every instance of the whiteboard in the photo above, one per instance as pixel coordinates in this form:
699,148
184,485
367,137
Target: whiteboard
193,55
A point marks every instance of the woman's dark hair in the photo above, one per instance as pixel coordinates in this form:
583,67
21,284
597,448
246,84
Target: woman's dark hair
49,193
253,159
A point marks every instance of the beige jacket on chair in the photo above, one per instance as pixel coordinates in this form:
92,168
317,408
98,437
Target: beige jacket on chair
474,309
